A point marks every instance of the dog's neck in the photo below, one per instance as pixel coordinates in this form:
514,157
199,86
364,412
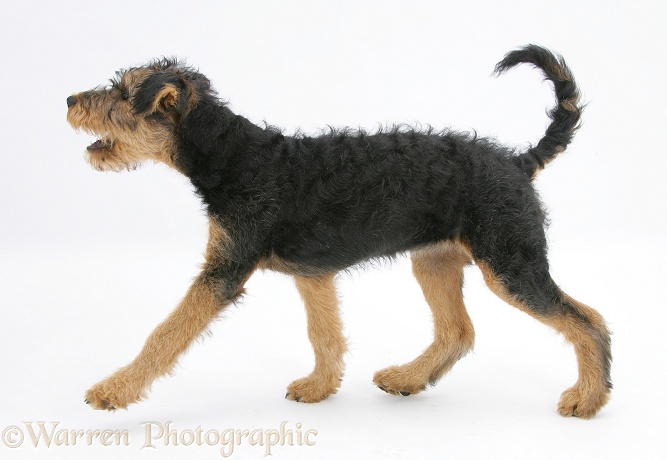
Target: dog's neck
210,137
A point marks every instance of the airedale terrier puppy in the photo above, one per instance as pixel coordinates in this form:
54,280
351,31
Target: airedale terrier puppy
313,206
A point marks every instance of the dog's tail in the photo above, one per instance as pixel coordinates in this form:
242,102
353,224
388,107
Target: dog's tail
565,117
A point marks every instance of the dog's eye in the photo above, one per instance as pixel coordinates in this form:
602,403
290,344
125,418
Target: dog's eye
125,95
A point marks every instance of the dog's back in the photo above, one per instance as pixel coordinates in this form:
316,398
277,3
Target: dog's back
348,196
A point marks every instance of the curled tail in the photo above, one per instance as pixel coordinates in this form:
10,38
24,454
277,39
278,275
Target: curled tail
565,116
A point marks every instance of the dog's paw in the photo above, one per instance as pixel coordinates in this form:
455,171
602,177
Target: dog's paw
311,389
112,394
577,403
396,381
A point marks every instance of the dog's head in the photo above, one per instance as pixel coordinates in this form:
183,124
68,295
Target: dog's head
135,118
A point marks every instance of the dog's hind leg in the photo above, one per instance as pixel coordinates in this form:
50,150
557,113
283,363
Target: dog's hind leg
325,331
439,271
533,291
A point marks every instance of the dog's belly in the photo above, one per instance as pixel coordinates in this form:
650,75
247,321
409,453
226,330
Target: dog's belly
325,247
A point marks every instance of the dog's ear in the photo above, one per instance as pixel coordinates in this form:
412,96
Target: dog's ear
165,99
160,92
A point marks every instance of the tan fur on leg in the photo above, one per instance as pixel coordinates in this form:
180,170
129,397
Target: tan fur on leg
591,343
439,271
590,392
161,351
325,331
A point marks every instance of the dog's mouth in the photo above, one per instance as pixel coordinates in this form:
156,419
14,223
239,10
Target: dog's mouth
100,145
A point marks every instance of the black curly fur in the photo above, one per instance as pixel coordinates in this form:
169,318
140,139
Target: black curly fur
565,116
335,200
329,202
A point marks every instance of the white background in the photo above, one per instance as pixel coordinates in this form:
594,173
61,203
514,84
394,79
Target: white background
90,262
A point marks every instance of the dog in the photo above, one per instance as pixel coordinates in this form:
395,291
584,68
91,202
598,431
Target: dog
311,206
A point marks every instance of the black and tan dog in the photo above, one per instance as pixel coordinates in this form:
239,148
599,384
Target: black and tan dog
312,206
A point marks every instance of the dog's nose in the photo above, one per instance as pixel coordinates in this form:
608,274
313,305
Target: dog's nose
71,101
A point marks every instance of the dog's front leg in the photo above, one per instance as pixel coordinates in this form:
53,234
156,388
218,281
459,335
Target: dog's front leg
325,331
219,284
169,340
